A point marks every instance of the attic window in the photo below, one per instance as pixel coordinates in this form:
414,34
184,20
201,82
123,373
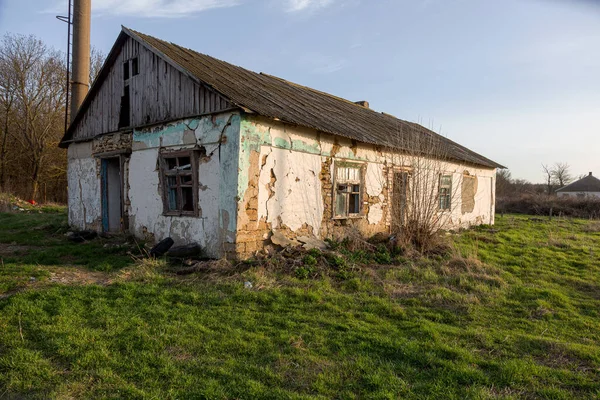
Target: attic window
348,190
135,68
126,70
179,172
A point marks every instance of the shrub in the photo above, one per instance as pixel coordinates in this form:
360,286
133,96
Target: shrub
586,207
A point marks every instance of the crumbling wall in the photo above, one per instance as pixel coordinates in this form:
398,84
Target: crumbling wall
83,185
216,138
286,184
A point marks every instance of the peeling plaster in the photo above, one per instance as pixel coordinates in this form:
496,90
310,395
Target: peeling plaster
289,189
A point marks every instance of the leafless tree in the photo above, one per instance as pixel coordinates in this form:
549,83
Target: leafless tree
7,99
96,61
548,177
504,183
37,76
561,173
423,187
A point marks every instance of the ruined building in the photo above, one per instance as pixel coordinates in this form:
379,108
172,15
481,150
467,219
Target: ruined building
171,142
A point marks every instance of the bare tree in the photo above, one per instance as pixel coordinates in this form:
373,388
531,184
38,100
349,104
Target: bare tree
561,173
423,187
504,183
548,177
37,110
96,61
7,99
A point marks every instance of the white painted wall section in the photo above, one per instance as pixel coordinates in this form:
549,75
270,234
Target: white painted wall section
83,184
290,189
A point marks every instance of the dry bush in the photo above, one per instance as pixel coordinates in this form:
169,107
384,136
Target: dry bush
586,207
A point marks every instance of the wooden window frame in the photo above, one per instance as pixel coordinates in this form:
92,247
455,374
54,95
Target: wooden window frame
348,194
135,66
447,194
165,173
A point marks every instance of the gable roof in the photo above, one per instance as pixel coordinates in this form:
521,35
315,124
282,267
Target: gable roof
289,102
587,184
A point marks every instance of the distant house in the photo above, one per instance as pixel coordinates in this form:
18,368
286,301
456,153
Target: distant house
588,186
171,142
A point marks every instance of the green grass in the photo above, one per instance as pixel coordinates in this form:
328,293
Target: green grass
513,312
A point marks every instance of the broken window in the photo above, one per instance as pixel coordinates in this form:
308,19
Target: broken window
179,172
125,111
135,68
445,192
348,182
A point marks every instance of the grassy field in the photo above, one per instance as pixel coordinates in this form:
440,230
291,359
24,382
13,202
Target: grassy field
508,312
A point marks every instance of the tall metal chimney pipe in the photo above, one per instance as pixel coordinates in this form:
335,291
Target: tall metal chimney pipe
80,78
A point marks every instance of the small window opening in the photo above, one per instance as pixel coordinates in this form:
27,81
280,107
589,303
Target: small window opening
126,70
348,191
445,192
135,68
180,180
125,112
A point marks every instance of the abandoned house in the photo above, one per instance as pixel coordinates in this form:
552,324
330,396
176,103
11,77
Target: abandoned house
173,143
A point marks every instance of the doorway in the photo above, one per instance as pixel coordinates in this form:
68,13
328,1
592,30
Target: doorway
399,199
112,194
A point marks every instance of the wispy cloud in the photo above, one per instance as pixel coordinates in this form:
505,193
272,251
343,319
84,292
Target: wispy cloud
154,8
307,5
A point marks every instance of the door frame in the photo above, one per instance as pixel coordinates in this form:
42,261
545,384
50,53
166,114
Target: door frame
122,157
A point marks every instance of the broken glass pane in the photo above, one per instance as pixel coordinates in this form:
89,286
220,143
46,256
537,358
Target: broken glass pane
186,179
187,197
354,206
185,164
171,163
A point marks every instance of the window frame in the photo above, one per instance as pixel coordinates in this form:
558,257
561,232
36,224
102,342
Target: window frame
165,172
347,194
448,194
135,67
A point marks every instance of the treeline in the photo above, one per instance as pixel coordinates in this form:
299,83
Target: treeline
32,118
523,197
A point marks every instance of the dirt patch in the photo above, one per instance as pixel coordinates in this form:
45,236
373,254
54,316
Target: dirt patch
76,276
10,249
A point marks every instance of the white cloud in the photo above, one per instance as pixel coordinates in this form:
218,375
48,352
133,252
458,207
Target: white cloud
305,5
155,8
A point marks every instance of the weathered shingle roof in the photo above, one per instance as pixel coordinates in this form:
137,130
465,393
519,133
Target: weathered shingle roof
274,97
588,184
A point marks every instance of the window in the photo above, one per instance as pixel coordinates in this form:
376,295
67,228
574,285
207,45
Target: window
180,183
348,185
126,70
125,110
135,68
445,192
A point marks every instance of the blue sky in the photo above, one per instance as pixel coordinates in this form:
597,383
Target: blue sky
516,80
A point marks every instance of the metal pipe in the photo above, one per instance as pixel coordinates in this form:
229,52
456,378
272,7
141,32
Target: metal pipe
80,76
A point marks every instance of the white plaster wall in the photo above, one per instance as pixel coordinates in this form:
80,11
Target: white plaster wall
295,151
217,176
147,205
83,186
295,198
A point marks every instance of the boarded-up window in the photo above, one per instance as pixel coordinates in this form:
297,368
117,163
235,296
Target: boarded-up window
348,182
445,192
179,172
468,191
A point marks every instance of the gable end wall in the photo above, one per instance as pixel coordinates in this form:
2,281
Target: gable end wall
160,92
